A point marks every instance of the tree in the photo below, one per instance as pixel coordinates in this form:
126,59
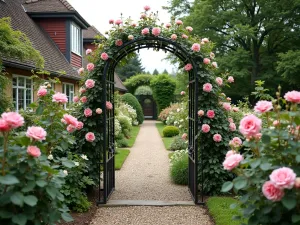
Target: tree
155,72
165,71
133,67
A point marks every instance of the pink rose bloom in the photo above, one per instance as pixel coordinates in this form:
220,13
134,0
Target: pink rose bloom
207,87
219,81
79,125
119,42
188,67
104,56
258,136
89,83
214,64
230,79
76,99
189,29
202,43
90,136
173,36
230,120
217,138
4,126
98,111
263,106
12,119
82,90
88,112
36,133
232,127
130,37
88,51
109,106
60,98
179,22
276,123
80,70
90,66
206,61
33,151
147,7
68,119
232,161
71,128
168,25
235,109
184,36
228,99
293,96
205,128
271,192
227,106
200,113
83,99
145,31
41,92
111,21
184,136
297,182
230,153
134,24
196,47
156,31
182,92
210,114
283,178
236,142
143,16
250,126
118,22
212,55
205,40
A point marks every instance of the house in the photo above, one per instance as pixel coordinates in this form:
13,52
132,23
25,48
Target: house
59,33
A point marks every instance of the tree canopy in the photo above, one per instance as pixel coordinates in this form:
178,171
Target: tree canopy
131,68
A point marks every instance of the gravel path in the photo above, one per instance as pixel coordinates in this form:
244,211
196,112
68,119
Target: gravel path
145,176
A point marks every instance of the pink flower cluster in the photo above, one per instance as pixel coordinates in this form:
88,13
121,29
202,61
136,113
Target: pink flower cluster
188,67
118,22
36,133
232,160
33,151
80,70
88,51
236,142
227,106
189,29
60,98
182,93
90,66
42,91
207,87
90,136
219,81
206,61
145,31
104,56
88,112
217,137
250,126
184,136
109,106
196,47
89,83
72,122
119,42
156,31
200,113
210,114
205,128
10,120
147,7
173,37
293,96
263,106
184,36
179,22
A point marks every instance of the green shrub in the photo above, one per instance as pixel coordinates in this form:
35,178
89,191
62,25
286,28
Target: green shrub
143,90
122,143
125,125
170,131
138,80
163,87
178,144
132,100
179,168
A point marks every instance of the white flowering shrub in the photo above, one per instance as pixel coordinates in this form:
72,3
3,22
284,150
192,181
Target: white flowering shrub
179,118
129,111
117,127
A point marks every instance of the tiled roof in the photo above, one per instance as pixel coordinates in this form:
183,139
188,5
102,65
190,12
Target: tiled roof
119,84
90,33
54,59
48,6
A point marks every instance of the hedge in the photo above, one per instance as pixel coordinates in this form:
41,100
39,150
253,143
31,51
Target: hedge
132,100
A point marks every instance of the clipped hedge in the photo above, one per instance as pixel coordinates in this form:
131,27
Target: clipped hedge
170,131
132,100
179,170
136,81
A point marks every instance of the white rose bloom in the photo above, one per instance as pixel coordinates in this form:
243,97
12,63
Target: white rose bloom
178,110
76,163
65,172
84,157
50,157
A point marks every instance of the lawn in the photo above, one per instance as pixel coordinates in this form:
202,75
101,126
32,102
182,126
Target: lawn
133,134
120,157
219,208
167,140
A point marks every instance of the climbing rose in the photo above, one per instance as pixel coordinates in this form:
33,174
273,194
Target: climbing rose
205,128
205,40
227,106
71,128
90,136
230,79
68,119
173,36
33,151
89,83
184,136
145,31
76,99
109,106
232,126
83,99
79,125
104,56
214,64
130,37
210,114
263,106
219,81
188,67
217,138
200,113
230,120
232,161
119,42
212,55
236,142
184,36
147,7
41,92
4,126
189,29
12,119
206,61
182,92
228,99
60,98
98,111
111,21
168,25
283,178
88,51
179,22
230,153
297,182
90,66
250,126
118,22
82,90
36,133
276,123
271,192
88,112
80,70
196,47
292,96
207,87
156,31
143,16
235,109
134,24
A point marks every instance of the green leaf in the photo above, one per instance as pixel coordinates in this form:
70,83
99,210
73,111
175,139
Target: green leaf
298,158
6,214
39,110
29,187
66,217
17,198
19,219
255,163
266,139
265,166
51,191
30,200
227,186
240,182
295,218
41,183
9,180
68,164
289,202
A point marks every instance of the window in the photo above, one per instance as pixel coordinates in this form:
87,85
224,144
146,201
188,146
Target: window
75,39
22,92
68,89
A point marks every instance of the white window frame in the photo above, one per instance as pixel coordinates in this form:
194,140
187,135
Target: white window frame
70,99
76,39
24,88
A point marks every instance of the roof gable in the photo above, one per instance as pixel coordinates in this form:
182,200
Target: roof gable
48,6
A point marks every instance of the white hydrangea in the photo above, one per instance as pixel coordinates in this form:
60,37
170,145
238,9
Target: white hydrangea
117,127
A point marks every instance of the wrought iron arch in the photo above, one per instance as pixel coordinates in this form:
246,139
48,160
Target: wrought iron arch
106,168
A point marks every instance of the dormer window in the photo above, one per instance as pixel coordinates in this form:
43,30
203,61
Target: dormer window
75,39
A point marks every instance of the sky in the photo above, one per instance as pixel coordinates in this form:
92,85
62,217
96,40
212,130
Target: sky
98,13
